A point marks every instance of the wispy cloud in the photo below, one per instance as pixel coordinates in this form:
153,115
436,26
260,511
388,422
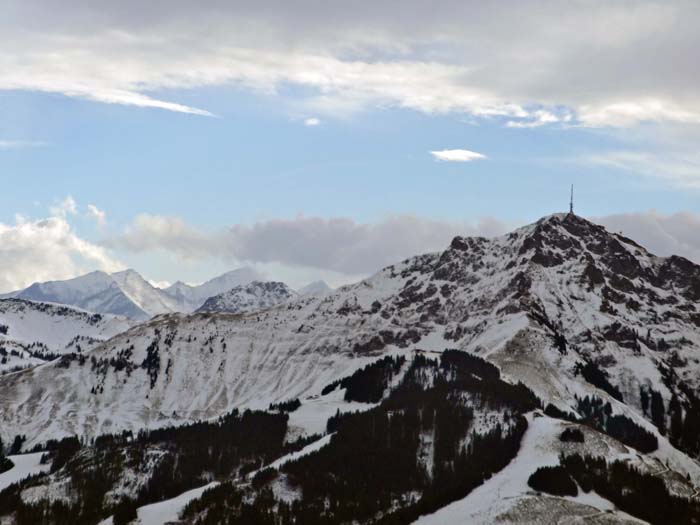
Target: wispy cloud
457,155
97,214
64,207
20,144
313,121
676,168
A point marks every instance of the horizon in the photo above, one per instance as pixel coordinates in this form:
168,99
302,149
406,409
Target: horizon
323,142
299,286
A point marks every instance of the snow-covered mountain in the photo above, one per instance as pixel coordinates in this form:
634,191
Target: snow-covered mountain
318,288
128,294
32,333
570,310
123,293
599,296
253,297
192,297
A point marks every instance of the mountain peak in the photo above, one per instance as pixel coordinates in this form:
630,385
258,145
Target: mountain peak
254,296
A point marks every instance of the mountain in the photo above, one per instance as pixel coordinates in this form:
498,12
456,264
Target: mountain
150,299
192,297
251,297
32,333
124,293
559,349
316,288
127,293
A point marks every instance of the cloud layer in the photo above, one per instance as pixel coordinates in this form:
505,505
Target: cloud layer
336,244
347,247
534,63
48,249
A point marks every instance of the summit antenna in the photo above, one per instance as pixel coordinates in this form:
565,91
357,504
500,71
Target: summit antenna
571,202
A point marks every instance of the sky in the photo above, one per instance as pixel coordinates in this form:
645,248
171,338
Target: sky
325,140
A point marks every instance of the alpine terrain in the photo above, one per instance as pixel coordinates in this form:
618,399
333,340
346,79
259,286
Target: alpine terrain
128,294
550,375
255,296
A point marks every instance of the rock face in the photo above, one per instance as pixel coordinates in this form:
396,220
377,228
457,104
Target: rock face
545,303
252,297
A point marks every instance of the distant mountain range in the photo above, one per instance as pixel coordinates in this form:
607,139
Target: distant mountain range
128,294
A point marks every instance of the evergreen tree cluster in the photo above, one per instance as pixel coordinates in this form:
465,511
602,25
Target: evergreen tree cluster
375,467
599,416
680,422
233,445
553,480
572,435
640,494
598,378
285,406
5,462
368,384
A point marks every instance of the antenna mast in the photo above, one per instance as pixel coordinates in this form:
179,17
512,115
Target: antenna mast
571,202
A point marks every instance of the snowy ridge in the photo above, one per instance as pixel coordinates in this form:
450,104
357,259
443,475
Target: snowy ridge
539,302
192,297
127,293
249,298
32,333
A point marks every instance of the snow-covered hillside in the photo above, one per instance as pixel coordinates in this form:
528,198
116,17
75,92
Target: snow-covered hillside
572,311
32,333
541,302
252,297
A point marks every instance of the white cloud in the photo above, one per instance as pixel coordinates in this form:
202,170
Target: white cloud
539,118
97,214
313,121
46,249
457,155
65,207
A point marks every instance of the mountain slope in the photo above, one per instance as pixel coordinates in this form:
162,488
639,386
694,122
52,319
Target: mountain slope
32,333
603,333
252,297
556,304
96,292
150,299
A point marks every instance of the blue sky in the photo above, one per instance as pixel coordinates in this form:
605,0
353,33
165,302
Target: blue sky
117,122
